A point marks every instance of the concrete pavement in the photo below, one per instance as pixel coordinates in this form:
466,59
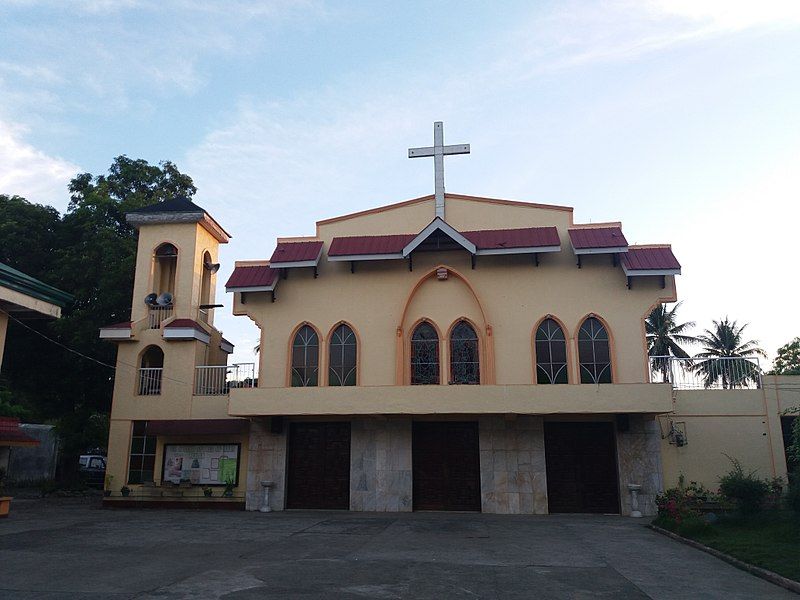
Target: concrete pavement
54,549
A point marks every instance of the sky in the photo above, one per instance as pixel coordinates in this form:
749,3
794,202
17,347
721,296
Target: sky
677,117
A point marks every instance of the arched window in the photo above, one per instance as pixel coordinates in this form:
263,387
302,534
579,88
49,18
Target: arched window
150,369
424,355
464,361
305,357
551,353
166,262
342,356
205,287
594,352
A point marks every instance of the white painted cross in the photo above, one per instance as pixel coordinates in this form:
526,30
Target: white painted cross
438,151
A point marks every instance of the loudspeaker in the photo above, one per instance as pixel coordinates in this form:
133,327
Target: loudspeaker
623,423
276,425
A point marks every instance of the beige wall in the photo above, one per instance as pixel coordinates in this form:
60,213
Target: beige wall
744,424
176,400
506,296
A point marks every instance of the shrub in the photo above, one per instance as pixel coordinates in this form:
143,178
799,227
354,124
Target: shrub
793,497
676,505
745,489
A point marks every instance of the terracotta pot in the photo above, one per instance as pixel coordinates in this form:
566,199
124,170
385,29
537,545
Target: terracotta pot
5,506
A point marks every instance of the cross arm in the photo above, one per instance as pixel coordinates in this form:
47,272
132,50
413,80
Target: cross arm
456,149
419,152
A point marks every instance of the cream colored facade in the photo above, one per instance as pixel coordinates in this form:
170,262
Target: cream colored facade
504,297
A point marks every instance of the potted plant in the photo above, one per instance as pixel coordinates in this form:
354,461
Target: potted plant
5,501
126,491
107,486
229,485
207,491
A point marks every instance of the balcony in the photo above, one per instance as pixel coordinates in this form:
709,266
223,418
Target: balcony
157,315
716,373
150,381
452,400
218,380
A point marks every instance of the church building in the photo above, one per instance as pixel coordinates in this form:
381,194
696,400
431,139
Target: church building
448,352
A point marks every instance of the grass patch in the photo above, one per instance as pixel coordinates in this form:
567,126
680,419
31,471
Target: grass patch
770,540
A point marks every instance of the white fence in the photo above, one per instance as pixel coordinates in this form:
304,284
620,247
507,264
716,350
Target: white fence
720,373
157,315
218,380
150,381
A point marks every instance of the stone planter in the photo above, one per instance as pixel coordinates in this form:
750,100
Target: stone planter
5,506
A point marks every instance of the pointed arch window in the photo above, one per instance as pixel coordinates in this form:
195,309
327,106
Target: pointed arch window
551,353
594,352
305,357
424,355
342,357
464,355
166,262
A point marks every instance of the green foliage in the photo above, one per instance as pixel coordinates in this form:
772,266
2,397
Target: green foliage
679,507
787,362
90,253
793,497
665,335
725,341
793,451
746,490
9,408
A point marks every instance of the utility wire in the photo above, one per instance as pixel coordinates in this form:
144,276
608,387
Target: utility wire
84,356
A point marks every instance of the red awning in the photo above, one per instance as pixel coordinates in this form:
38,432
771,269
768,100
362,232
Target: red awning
367,245
184,324
296,254
529,237
655,260
595,238
11,435
252,278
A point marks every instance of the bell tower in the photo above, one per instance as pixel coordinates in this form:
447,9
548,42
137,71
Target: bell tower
176,262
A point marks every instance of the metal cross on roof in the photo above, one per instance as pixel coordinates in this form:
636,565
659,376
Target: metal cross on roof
438,151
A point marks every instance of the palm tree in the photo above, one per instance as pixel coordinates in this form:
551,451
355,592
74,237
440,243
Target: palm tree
665,335
725,351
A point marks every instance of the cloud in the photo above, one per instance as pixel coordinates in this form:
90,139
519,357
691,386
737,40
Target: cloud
28,172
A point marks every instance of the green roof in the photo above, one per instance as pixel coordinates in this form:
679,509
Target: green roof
19,281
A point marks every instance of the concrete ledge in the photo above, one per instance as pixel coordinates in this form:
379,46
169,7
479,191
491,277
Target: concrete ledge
452,399
780,580
217,504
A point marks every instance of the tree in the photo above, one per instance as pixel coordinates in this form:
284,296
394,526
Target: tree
90,254
27,235
724,351
665,335
788,360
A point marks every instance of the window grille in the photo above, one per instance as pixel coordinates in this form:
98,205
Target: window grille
342,357
305,357
424,355
551,353
464,355
594,352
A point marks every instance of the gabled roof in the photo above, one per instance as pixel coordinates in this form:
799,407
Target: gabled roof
489,241
176,204
597,240
252,278
438,225
25,284
650,260
179,209
296,254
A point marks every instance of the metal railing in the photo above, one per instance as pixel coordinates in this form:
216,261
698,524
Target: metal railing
150,381
157,315
714,373
218,380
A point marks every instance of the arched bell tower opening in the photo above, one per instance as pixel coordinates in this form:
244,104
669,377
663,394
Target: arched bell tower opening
165,267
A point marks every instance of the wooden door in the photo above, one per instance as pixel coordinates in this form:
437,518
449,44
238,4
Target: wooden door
319,466
581,468
446,466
